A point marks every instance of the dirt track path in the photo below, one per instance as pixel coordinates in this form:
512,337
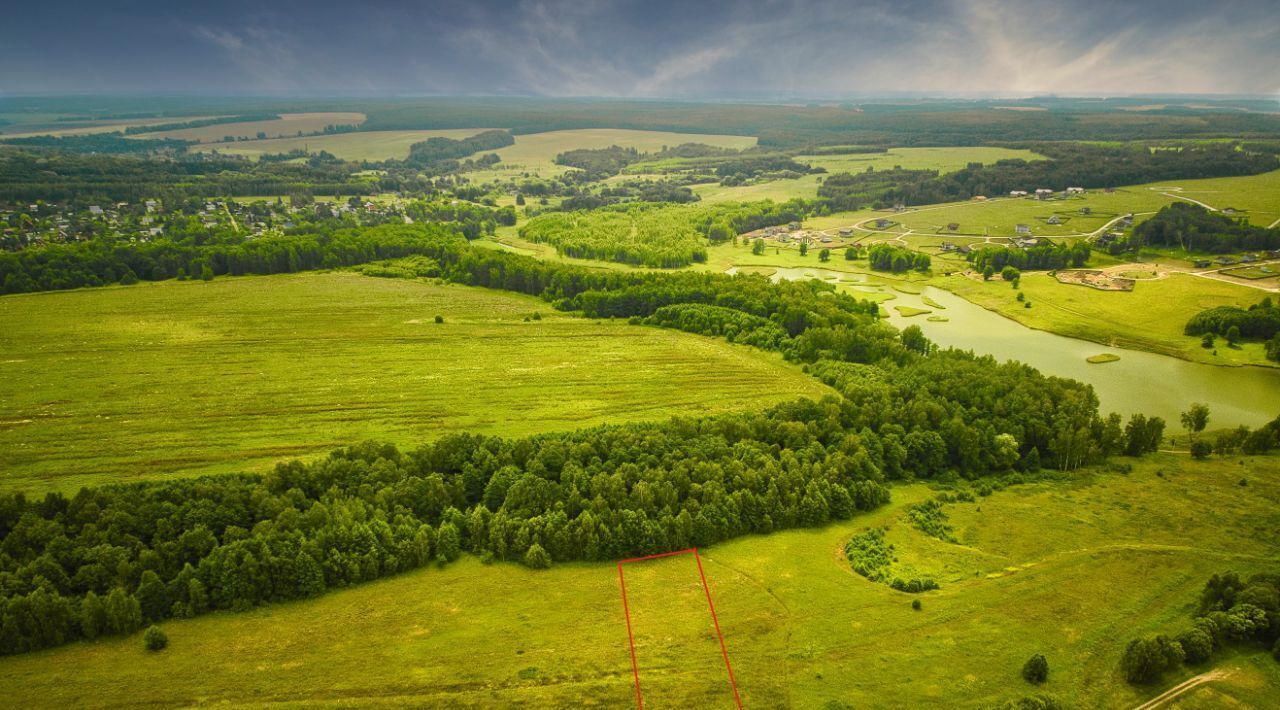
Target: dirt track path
1183,687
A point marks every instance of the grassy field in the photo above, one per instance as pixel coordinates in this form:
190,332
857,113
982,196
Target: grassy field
360,145
1071,569
289,124
192,377
1150,317
942,159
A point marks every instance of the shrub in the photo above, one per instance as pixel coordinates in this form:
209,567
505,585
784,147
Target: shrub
155,639
1145,660
915,604
537,557
1036,669
1200,449
1275,651
439,319
1196,644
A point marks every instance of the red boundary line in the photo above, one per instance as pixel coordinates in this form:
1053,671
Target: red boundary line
635,668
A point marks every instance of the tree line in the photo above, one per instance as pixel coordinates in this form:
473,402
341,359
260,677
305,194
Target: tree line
1044,257
1193,228
1260,321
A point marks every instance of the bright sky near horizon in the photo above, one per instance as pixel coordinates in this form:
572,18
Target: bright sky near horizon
644,48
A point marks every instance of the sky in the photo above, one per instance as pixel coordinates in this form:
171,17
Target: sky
645,48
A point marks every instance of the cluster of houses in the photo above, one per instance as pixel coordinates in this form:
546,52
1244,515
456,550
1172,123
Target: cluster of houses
24,226
1224,260
1044,193
793,232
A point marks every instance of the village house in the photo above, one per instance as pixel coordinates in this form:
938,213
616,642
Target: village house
846,232
1044,193
953,226
948,246
1023,229
95,210
1055,219
882,223
1086,210
1201,263
899,207
1248,259
1075,190
1017,193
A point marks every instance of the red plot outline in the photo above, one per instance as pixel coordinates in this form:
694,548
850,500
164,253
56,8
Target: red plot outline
635,669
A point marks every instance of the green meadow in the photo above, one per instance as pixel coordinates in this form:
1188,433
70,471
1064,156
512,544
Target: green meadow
158,379
1071,568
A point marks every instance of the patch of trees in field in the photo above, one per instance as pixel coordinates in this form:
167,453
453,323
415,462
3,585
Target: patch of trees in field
1231,612
1193,228
848,192
1261,321
886,257
439,153
1044,257
658,236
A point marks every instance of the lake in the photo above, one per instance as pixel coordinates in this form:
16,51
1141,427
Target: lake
1139,382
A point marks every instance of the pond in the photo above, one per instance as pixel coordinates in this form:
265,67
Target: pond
1139,382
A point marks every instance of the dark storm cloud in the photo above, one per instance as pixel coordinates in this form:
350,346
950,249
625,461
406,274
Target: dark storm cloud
649,48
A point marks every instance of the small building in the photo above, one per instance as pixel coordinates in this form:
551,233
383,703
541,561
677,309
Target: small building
95,210
1055,219
1225,260
1229,211
882,223
953,226
1044,193
899,207
948,246
979,198
1075,190
1027,242
1086,210
1201,263
150,205
1127,220
846,232
1023,229
793,226
1248,259
1017,193
826,240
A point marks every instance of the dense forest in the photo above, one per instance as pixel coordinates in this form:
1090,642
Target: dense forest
1195,229
438,152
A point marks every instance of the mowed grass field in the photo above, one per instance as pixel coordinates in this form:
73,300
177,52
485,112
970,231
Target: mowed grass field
1072,569
123,383
358,145
289,124
944,160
